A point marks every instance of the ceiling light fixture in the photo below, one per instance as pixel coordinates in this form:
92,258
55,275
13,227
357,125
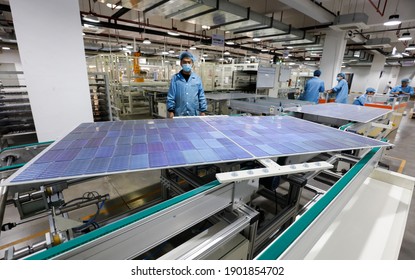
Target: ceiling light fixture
206,27
393,20
164,53
256,39
226,53
129,47
411,47
173,32
91,18
405,37
171,51
264,49
146,41
5,48
113,6
289,47
405,54
230,43
192,48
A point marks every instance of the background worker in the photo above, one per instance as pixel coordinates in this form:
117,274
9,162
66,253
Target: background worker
186,96
312,88
403,89
341,89
361,100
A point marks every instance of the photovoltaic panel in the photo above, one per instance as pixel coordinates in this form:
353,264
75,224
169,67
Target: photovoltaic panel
348,112
126,146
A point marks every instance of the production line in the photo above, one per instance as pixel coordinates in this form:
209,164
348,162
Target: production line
229,185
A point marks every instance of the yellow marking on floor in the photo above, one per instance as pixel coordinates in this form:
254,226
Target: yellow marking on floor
38,234
401,166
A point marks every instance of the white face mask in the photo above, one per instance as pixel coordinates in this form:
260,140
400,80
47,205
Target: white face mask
187,67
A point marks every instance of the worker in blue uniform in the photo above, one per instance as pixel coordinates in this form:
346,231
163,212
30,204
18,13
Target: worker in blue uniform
403,89
361,100
186,96
313,87
341,89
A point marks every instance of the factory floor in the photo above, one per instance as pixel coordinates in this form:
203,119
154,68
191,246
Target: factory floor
131,190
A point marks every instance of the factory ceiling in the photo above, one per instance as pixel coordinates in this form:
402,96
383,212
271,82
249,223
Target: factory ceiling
261,27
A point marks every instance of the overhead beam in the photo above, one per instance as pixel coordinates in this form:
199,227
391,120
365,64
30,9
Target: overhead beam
120,13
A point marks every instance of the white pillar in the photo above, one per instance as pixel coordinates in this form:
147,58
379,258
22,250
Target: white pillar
373,79
49,37
333,53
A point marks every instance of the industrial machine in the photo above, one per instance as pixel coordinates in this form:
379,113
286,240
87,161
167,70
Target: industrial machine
229,186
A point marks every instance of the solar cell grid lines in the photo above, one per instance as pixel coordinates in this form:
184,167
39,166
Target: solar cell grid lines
103,148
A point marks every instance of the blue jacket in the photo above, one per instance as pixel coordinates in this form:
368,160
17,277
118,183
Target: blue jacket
361,100
186,98
407,89
312,90
342,91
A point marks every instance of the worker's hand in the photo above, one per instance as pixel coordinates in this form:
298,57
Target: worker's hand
171,115
202,114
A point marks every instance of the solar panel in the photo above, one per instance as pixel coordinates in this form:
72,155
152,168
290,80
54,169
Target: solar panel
170,143
355,113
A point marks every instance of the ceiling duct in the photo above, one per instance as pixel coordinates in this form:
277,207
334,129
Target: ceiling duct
218,14
350,22
378,43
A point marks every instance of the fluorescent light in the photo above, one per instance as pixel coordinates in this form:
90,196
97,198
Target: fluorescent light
405,37
289,47
264,50
83,34
307,58
230,43
5,48
204,55
227,31
173,32
226,53
411,47
129,47
113,6
91,18
393,20
164,53
193,47
221,59
206,27
146,41
256,39
405,54
171,51
356,54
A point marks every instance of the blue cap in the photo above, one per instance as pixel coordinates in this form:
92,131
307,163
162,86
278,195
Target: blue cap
406,80
317,73
186,54
342,75
370,89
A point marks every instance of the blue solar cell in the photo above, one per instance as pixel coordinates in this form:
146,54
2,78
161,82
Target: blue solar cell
238,152
213,143
209,155
156,147
158,160
86,153
139,149
105,151
32,172
192,156
269,150
113,133
185,145
94,142
128,132
122,150
76,167
199,144
119,163
54,170
49,157
170,146
153,138
61,145
124,141
67,155
80,143
139,162
139,139
224,153
109,141
98,165
176,157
